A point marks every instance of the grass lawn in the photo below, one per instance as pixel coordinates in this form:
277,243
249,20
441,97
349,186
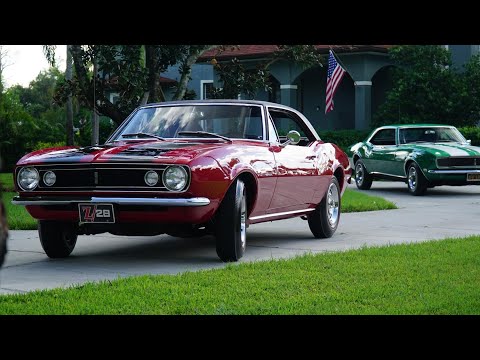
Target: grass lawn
6,182
436,277
17,216
354,201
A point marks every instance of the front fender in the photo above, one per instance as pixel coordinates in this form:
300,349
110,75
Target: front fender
424,161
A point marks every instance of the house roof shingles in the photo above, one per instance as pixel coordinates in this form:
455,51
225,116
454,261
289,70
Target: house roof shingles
254,51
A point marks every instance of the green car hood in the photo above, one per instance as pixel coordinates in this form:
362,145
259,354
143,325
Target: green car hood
449,149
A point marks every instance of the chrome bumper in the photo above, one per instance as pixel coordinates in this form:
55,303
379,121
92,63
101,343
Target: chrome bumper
455,172
197,201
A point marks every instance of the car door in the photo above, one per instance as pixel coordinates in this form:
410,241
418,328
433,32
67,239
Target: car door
296,171
380,151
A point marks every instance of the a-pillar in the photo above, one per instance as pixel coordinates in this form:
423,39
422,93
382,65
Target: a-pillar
288,95
363,104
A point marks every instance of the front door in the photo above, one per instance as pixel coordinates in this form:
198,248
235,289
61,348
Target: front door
295,165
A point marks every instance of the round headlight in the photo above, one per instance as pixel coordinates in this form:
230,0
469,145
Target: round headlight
151,178
49,178
28,178
175,178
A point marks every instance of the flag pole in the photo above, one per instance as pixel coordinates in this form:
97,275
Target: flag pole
341,63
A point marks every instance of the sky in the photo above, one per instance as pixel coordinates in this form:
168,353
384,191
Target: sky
24,62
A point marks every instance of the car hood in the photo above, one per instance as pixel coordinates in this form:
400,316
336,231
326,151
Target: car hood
178,152
449,149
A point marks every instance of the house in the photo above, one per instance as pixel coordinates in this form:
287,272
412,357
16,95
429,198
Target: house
362,90
359,94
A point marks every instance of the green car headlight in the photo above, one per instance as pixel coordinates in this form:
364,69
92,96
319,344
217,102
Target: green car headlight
28,178
175,178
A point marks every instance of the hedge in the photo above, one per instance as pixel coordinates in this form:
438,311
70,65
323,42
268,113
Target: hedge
344,138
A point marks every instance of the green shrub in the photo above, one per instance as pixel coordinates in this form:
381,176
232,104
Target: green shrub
471,133
344,138
45,145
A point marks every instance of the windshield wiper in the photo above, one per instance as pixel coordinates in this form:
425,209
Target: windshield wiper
143,135
204,134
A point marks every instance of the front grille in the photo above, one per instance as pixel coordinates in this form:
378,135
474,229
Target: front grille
459,162
104,177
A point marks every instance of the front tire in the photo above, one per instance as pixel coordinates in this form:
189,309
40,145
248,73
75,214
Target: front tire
58,239
231,223
324,220
363,179
416,182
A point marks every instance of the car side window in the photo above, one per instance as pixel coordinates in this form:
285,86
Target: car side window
272,132
384,137
286,121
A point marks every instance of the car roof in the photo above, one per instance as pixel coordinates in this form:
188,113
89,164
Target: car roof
415,125
218,101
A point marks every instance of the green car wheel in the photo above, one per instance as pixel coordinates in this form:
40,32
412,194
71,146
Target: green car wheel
416,182
363,179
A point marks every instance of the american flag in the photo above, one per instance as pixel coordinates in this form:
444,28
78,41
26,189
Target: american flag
334,76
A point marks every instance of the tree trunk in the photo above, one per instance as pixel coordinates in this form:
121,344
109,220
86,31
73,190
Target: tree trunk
103,105
95,120
150,62
154,90
186,67
68,77
2,54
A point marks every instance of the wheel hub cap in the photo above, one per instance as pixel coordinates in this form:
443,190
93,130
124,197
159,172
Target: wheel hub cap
243,222
359,174
333,205
412,178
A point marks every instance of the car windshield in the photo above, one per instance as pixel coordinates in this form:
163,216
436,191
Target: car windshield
430,134
194,121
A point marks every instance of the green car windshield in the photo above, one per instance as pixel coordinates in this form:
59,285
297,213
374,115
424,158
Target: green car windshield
430,134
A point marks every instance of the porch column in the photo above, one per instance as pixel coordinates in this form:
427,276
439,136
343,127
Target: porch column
288,95
363,104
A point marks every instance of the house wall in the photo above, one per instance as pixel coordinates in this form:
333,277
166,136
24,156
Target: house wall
199,72
462,53
311,100
356,101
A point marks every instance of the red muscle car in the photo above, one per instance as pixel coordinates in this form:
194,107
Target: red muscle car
187,168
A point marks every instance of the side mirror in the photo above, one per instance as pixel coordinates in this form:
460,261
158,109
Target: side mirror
469,142
293,138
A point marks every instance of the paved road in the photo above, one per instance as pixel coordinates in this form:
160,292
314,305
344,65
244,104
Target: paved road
444,212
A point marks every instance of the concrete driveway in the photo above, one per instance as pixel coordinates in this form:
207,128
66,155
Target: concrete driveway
445,211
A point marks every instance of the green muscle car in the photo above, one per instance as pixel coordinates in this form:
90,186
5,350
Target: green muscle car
421,155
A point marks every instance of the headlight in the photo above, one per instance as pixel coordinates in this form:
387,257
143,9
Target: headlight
28,178
151,178
175,178
49,178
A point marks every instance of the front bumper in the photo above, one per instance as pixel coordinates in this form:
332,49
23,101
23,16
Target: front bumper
454,172
45,201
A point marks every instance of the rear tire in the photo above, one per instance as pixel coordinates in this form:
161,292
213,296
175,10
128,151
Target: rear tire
323,222
417,183
231,223
363,179
58,239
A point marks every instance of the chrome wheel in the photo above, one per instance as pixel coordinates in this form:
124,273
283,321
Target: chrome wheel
362,178
412,178
231,223
324,220
359,174
243,222
416,182
333,205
